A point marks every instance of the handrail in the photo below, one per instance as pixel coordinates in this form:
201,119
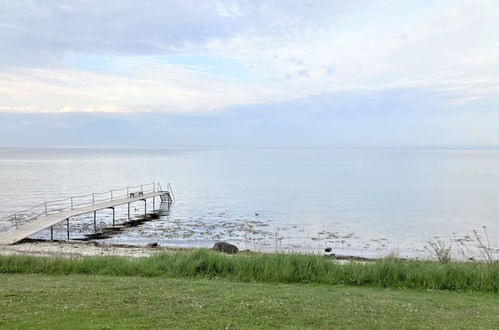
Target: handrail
170,190
81,196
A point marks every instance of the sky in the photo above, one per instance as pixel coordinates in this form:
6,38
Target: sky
206,73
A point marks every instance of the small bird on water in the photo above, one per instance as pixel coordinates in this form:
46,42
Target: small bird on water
257,215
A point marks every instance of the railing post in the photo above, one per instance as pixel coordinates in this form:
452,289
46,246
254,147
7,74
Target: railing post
15,219
46,211
154,187
93,198
111,194
141,187
67,226
127,191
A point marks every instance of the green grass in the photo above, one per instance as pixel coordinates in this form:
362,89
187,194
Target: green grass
120,302
272,268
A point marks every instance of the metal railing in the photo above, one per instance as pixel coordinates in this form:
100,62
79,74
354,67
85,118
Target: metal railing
24,217
168,189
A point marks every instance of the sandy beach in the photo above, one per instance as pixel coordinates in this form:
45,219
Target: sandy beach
73,249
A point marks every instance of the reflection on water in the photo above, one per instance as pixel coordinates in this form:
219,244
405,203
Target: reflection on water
363,201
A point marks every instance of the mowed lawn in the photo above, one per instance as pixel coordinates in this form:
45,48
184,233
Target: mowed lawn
111,302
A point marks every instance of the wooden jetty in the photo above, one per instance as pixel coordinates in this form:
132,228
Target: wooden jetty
29,222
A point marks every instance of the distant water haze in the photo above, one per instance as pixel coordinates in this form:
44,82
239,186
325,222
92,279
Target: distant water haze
357,201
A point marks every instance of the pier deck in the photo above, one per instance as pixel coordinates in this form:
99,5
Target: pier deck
19,233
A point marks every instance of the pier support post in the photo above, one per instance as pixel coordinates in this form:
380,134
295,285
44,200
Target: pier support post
153,204
51,233
145,207
128,211
95,221
113,216
67,226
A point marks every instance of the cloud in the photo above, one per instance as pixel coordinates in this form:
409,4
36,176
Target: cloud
36,31
153,87
444,44
196,57
68,109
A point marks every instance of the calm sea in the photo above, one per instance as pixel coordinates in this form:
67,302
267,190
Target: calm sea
357,201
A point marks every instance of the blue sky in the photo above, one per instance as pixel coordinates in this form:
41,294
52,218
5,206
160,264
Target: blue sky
240,73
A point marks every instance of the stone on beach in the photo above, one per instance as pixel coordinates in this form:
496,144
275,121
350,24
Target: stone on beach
225,247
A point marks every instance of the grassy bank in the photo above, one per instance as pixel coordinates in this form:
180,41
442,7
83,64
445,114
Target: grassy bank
273,268
111,302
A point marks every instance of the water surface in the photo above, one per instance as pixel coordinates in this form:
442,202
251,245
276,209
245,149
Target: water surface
358,201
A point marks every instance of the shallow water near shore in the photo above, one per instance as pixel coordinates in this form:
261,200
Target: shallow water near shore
365,202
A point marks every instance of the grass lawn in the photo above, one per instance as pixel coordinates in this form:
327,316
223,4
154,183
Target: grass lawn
108,302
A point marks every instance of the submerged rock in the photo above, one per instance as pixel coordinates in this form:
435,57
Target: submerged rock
225,247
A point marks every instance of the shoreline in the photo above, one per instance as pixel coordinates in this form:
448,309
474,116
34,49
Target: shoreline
72,249
79,249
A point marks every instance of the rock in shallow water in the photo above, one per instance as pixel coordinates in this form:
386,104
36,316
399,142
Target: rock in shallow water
225,247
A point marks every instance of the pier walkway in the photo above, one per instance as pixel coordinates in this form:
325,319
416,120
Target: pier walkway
23,224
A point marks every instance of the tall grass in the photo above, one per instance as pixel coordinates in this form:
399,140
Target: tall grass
277,268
